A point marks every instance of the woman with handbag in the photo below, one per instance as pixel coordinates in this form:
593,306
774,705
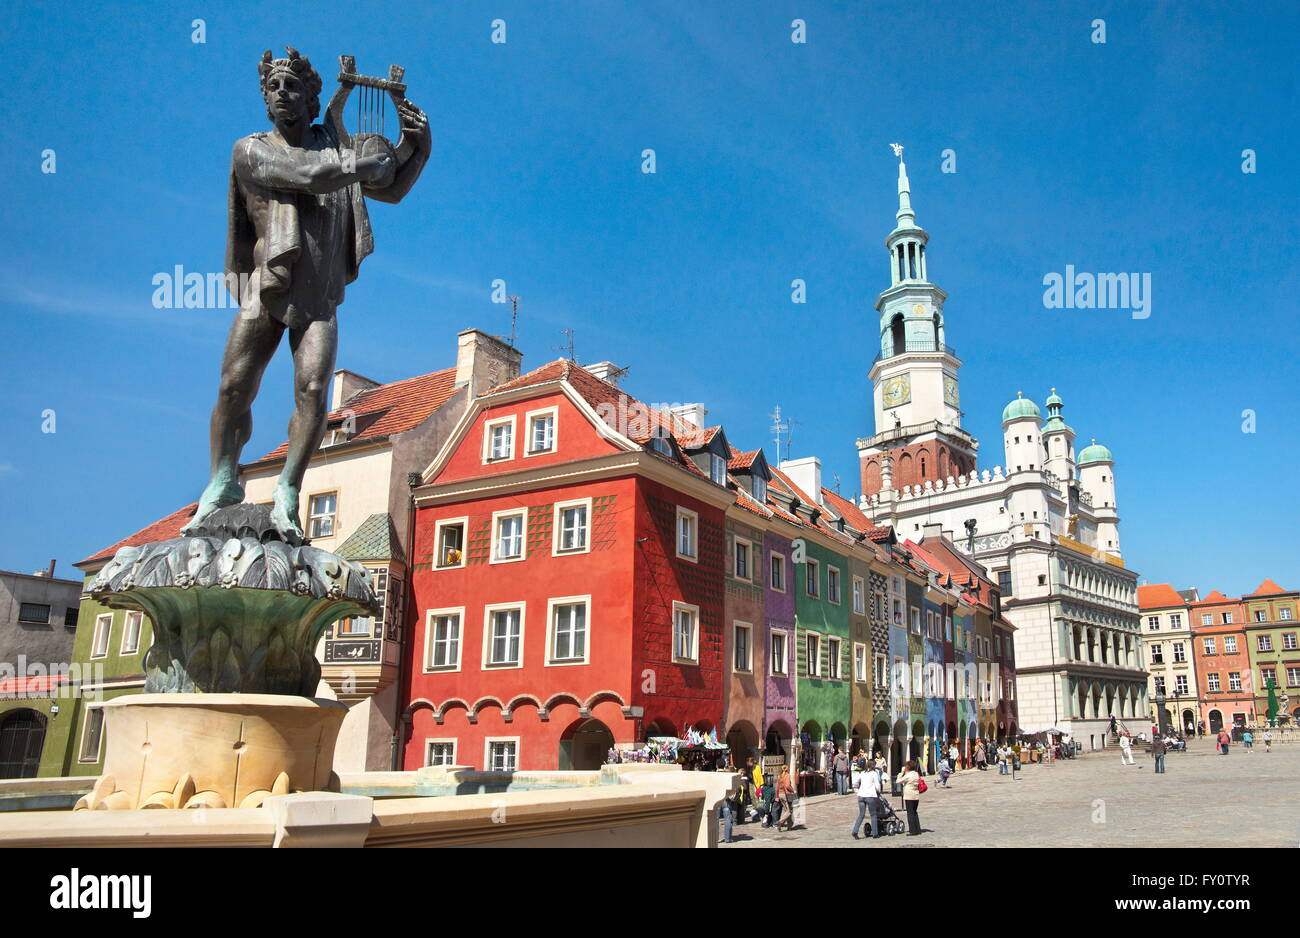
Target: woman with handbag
913,785
785,793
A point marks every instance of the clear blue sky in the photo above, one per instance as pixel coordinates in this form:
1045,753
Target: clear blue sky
772,164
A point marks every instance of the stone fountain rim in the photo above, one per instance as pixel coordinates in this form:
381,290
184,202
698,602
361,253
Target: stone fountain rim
231,701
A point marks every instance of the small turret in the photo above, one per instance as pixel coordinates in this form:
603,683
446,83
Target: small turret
1097,478
1020,434
1058,443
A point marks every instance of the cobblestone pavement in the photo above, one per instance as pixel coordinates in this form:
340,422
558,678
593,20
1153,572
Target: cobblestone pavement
1244,799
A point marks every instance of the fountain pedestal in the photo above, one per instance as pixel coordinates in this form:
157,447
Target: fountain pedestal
225,720
214,750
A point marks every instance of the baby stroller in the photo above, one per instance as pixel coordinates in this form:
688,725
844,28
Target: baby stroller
890,822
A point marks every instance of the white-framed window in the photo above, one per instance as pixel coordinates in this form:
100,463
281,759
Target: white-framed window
880,671
776,568
743,646
1261,615
743,551
567,624
1180,685
541,431
503,635
442,638
833,585
1284,614
688,523
440,752
499,439
1267,676
1153,623
1212,681
572,526
322,514
501,754
1230,644
1292,676
916,621
1207,618
92,735
859,661
449,536
1288,641
1227,618
859,595
717,469
1209,645
1264,643
1157,654
1176,620
760,488
132,626
1234,680
1179,655
777,662
947,631
508,535
833,658
813,644
812,580
99,642
686,633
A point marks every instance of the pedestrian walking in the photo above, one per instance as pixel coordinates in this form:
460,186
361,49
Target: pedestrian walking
1004,760
785,793
1223,739
1126,750
1158,750
1268,740
944,772
870,784
842,767
769,808
1247,741
981,757
912,785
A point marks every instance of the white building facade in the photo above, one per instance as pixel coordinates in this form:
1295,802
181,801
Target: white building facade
1045,524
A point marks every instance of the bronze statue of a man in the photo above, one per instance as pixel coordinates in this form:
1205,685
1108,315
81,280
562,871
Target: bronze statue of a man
298,233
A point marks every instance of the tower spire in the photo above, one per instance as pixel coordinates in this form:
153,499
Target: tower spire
906,217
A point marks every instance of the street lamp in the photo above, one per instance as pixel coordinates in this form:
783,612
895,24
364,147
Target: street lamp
1160,712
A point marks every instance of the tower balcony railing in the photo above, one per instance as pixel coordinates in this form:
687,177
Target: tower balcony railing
918,346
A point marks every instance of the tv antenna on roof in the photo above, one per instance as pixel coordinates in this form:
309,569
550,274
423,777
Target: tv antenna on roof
514,318
780,426
568,334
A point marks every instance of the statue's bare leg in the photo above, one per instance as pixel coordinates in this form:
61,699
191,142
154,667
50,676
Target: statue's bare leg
313,364
249,348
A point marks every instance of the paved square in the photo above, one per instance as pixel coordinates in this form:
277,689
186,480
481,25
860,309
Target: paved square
1244,799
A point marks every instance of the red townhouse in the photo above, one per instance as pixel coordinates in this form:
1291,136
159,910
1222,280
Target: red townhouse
567,588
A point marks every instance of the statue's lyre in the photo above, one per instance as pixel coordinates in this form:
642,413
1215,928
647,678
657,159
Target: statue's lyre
371,105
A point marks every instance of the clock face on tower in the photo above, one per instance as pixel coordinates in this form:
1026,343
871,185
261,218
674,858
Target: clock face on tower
950,391
896,390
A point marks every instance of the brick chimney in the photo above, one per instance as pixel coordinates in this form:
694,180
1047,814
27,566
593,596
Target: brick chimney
693,414
606,371
483,361
805,473
346,385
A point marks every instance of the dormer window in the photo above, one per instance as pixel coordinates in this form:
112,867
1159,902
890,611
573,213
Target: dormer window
660,445
759,485
541,432
717,469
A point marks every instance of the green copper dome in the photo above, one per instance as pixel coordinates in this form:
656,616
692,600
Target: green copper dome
1020,407
1094,453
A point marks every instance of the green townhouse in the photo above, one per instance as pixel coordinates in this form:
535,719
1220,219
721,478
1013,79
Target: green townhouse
1273,642
823,641
108,662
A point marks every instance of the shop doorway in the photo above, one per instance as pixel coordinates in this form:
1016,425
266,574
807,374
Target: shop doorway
742,740
584,746
1216,722
22,736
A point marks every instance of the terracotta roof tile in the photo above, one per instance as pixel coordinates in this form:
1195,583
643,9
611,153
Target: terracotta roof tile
390,408
1158,596
1215,597
741,460
1268,588
163,529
